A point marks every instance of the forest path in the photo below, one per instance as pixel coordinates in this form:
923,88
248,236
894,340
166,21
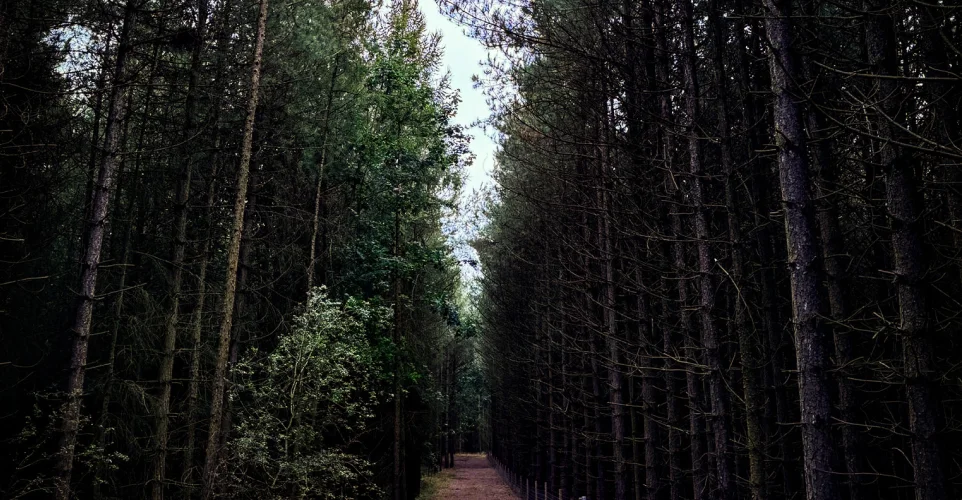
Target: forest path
475,479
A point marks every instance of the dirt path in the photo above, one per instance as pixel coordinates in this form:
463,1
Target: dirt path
475,479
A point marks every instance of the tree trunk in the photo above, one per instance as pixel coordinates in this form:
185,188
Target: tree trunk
118,307
239,328
598,401
651,486
233,253
96,227
747,341
610,327
95,129
452,411
794,177
832,254
197,320
718,395
554,472
675,256
397,335
318,195
905,206
196,336
179,238
769,340
699,454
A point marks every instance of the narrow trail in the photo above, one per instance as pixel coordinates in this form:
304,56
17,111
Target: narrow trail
475,479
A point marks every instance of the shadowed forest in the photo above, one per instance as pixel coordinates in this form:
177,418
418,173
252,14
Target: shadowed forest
720,259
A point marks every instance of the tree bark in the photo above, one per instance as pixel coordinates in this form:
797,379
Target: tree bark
905,206
752,344
179,238
196,336
318,195
609,324
118,305
233,253
651,486
96,228
197,320
832,254
747,340
804,273
718,395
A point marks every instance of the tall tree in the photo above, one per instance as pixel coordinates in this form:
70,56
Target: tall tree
905,206
213,455
94,240
179,239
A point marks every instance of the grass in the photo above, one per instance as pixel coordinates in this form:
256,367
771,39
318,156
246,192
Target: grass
432,484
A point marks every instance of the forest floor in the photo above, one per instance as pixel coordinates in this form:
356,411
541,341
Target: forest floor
475,479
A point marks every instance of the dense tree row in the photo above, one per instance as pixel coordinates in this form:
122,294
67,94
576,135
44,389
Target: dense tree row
222,270
723,259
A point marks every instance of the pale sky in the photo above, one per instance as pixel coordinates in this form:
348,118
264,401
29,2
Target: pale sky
463,57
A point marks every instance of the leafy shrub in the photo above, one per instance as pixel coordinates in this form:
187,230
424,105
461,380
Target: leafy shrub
302,408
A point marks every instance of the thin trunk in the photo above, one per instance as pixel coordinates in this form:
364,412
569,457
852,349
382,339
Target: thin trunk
398,473
598,402
610,329
635,429
905,206
747,341
765,283
768,340
718,395
832,254
696,429
117,313
197,321
810,338
537,362
442,413
179,238
649,375
96,227
445,423
316,221
701,467
452,413
95,144
196,329
233,253
240,309
552,471
569,455
590,486
670,221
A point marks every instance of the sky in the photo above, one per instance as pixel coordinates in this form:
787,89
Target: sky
463,57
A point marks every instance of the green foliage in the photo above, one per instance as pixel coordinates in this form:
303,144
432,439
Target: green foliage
355,162
304,405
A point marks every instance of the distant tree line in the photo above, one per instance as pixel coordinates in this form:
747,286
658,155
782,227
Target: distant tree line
723,256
